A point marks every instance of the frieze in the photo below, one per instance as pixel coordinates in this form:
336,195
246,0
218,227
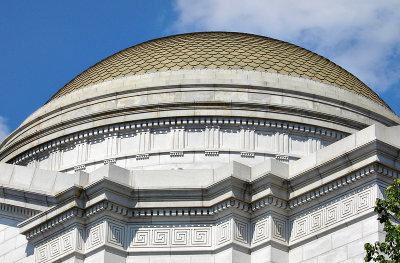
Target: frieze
261,230
95,235
214,210
17,210
151,236
241,230
93,135
58,246
333,212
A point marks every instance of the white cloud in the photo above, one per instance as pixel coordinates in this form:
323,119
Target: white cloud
362,36
4,131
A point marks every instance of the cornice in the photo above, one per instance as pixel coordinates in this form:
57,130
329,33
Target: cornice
335,185
17,211
51,223
32,229
27,197
116,129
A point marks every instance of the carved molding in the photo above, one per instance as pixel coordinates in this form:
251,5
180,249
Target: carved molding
247,154
282,157
211,153
176,154
150,236
246,231
60,245
109,160
269,200
95,236
17,210
333,212
143,156
336,185
114,130
53,222
214,210
80,167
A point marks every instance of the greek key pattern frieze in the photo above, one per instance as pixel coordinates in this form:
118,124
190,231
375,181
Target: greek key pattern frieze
171,236
261,230
224,230
116,234
333,213
95,236
279,229
60,245
241,231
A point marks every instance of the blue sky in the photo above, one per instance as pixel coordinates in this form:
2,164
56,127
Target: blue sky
44,44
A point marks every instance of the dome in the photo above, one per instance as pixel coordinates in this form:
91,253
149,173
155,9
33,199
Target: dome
224,50
197,101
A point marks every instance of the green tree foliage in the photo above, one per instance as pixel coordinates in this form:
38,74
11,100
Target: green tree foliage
389,215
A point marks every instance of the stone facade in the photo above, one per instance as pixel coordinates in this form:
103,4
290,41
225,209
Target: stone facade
198,165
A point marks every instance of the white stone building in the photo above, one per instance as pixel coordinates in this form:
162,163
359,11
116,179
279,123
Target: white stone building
203,147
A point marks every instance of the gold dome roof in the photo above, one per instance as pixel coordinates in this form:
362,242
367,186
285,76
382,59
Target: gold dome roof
223,50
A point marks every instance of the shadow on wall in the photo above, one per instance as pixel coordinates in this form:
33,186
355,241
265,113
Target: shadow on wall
9,225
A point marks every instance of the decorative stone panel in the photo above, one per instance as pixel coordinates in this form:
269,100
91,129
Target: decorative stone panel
58,246
167,236
95,236
224,232
136,141
261,230
241,231
333,212
116,233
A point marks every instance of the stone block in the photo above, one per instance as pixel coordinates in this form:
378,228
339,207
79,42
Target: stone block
6,172
296,255
335,149
112,172
317,247
346,235
234,169
81,178
6,247
356,249
173,178
261,255
358,259
224,256
31,259
43,180
201,259
16,254
271,166
312,260
278,255
370,226
63,181
389,135
11,232
372,238
22,176
334,256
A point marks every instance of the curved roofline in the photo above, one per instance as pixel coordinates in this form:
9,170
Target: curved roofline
57,94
